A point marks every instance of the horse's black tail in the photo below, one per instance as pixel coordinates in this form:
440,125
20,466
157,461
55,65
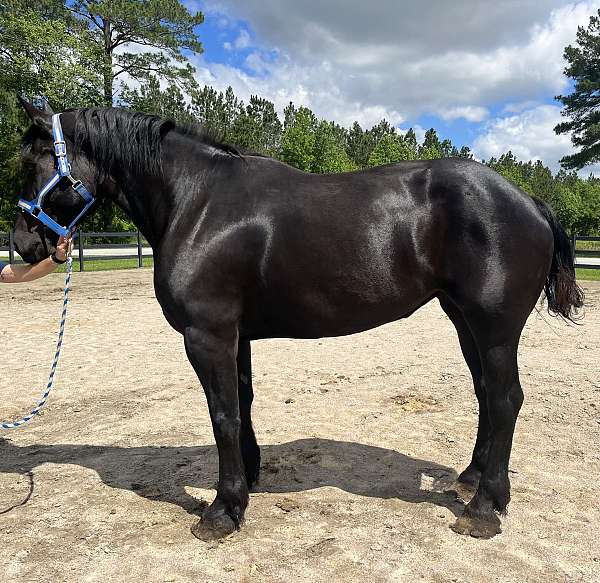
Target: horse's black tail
564,296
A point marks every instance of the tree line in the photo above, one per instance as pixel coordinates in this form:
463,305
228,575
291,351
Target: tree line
75,55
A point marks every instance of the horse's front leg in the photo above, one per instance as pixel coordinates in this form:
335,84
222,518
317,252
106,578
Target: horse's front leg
213,357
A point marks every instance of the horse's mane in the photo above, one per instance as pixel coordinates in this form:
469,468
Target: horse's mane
120,136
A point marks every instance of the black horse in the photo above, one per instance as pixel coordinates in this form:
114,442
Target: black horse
246,247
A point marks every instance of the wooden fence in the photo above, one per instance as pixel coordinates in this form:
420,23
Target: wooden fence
135,242
134,246
586,254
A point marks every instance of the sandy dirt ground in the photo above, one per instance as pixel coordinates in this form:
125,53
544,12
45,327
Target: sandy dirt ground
360,437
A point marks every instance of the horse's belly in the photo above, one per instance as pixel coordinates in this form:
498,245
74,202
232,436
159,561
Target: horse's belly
316,314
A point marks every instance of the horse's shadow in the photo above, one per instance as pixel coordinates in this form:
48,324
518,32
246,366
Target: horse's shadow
161,473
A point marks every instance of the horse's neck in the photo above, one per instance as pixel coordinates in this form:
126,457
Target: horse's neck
145,202
150,201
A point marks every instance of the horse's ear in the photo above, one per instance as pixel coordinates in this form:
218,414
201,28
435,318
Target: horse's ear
47,109
40,118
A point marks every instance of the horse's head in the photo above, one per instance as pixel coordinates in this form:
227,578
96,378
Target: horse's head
34,241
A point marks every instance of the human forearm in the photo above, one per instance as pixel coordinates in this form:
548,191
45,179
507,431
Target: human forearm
25,273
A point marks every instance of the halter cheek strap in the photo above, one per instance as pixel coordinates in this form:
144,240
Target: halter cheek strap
63,171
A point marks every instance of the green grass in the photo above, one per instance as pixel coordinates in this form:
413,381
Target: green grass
588,246
109,264
588,274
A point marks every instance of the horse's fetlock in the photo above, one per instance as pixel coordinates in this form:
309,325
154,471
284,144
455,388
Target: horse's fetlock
498,491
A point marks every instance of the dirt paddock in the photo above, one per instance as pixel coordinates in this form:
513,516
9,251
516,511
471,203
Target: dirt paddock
360,437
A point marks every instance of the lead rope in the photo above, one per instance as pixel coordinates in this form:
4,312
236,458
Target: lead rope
61,331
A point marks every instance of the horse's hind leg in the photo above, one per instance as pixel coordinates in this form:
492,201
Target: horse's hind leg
497,338
467,482
250,449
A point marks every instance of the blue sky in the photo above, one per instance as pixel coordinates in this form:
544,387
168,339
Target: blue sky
483,74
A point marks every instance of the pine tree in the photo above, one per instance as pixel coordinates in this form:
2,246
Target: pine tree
329,154
298,142
583,105
390,149
166,27
410,141
359,145
217,112
258,128
432,148
150,98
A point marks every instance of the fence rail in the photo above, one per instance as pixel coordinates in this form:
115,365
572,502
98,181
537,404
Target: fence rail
135,247
585,258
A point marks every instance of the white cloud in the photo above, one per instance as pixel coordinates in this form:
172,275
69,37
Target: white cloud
520,106
243,40
451,59
349,60
315,88
468,112
530,136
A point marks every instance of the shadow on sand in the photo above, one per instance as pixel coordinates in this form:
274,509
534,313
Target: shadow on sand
161,473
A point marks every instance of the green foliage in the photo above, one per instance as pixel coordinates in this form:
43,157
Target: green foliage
358,145
216,111
575,201
166,27
298,142
74,54
431,148
257,127
39,56
10,168
583,105
169,103
390,148
329,150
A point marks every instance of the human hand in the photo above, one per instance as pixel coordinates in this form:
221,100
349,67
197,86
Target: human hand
63,248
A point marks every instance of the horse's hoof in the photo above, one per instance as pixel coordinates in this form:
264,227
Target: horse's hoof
477,527
213,528
462,490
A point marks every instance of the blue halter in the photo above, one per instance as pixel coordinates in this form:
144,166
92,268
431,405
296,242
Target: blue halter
63,170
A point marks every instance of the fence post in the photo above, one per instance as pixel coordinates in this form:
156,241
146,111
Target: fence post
80,242
574,243
139,249
11,246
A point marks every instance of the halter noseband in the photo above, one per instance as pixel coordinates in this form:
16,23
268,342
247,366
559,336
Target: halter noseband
63,171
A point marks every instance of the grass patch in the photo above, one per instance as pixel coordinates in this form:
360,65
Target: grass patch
588,246
108,264
588,274
111,264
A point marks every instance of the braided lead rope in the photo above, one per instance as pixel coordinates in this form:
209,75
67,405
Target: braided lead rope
61,332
